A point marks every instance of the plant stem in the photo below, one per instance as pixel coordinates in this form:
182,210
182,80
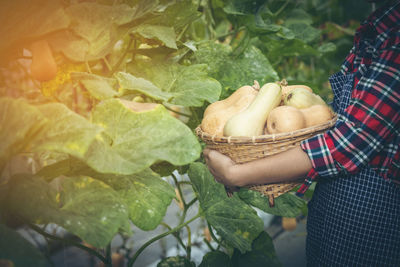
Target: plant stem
107,63
177,112
108,255
121,59
208,244
179,189
189,243
185,182
281,8
174,234
191,202
229,33
148,243
182,32
212,234
69,242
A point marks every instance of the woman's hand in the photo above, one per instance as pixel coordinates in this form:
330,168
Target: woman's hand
222,168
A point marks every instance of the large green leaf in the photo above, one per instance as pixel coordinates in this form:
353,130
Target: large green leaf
177,15
22,19
233,220
243,7
19,123
98,25
128,82
296,16
262,254
15,248
189,85
70,44
216,259
91,20
92,210
234,72
164,34
135,140
288,48
86,207
176,261
146,195
286,205
98,86
66,132
304,32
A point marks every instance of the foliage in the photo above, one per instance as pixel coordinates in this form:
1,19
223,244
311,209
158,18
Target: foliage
97,161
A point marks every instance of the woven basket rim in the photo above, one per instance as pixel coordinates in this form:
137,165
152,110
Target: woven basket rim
266,137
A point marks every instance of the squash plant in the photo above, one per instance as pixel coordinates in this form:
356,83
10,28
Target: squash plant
93,126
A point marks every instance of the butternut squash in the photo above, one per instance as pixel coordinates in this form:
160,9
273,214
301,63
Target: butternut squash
285,119
251,121
234,99
317,114
217,113
302,98
287,89
43,66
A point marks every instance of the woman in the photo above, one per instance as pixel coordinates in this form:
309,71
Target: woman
354,214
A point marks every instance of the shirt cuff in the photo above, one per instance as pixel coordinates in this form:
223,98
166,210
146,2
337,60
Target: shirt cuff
319,153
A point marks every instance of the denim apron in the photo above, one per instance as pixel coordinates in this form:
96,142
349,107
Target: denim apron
354,219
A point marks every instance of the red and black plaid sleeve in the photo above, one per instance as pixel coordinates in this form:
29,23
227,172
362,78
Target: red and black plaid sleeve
365,131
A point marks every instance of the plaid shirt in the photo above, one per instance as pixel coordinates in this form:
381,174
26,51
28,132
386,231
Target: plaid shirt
367,132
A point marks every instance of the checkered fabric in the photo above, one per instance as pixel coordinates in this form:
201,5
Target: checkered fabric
354,220
367,100
354,214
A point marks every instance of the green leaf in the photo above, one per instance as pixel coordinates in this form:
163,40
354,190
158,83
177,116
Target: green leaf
146,195
98,86
262,254
233,220
304,32
70,44
288,48
216,259
190,85
18,250
85,207
23,19
128,82
243,7
177,15
19,123
327,47
92,210
234,72
135,140
177,261
98,25
66,132
296,16
162,33
286,205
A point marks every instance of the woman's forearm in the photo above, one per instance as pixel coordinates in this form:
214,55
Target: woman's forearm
289,165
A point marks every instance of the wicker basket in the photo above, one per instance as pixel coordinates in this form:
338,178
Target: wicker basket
245,149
